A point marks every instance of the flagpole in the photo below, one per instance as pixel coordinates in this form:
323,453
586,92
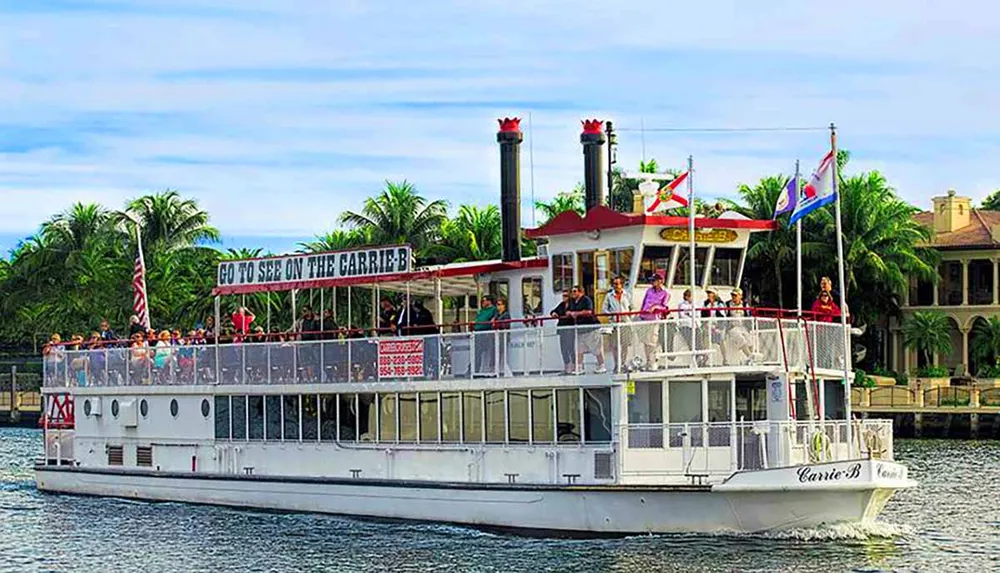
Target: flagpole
691,243
843,296
798,248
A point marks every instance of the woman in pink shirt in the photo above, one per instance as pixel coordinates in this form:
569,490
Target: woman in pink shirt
654,307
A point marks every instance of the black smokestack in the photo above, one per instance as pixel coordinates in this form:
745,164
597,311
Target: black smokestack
593,140
509,137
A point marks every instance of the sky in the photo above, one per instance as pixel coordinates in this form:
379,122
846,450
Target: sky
278,115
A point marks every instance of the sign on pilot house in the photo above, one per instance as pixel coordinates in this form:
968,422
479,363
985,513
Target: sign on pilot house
291,269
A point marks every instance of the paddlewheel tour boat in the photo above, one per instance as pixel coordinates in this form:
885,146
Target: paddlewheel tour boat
673,421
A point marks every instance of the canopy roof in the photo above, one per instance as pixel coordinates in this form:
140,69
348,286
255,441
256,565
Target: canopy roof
601,217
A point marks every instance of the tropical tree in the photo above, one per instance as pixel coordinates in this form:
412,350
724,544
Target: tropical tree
565,201
336,240
984,345
167,221
472,235
883,244
927,332
991,202
770,253
399,215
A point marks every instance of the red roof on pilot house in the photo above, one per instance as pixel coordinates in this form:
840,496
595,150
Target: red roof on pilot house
601,217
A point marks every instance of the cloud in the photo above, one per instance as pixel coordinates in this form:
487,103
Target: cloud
278,116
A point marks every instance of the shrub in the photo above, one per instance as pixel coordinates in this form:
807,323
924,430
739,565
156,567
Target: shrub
932,372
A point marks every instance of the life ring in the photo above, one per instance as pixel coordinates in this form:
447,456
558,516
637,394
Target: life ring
819,447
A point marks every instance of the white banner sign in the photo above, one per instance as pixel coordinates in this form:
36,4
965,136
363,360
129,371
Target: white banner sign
290,269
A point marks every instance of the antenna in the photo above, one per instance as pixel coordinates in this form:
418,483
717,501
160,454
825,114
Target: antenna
531,167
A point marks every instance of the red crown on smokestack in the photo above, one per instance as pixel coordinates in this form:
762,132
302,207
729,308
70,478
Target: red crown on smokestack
593,126
510,124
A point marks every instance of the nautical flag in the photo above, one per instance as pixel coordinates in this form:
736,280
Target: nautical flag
666,198
818,192
139,304
788,199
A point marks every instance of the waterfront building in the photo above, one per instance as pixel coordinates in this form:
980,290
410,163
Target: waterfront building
966,291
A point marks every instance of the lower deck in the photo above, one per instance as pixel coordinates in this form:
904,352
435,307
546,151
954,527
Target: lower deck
546,431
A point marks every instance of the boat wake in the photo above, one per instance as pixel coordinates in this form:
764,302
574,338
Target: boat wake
861,531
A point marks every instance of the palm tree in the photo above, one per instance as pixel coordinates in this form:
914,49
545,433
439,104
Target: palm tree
991,202
399,215
927,332
473,235
74,229
336,240
566,201
883,244
167,221
985,343
769,253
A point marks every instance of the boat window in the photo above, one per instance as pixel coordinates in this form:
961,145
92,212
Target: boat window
273,405
256,411
222,417
568,415
328,417
719,401
500,288
725,267
407,417
291,414
621,263
472,412
495,417
366,417
451,403
239,417
541,416
645,403
562,272
387,418
309,421
682,274
654,258
531,296
348,417
517,415
685,402
597,415
428,417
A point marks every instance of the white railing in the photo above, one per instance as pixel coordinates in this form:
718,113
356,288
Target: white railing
720,448
673,344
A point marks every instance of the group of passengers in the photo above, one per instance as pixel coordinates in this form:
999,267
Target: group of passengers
577,309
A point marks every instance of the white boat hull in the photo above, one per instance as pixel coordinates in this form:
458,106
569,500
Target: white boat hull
747,502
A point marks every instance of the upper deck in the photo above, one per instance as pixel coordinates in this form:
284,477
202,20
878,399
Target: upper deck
674,346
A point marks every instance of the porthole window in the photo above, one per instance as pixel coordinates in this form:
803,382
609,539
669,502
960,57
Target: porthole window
144,408
86,408
205,408
114,408
173,407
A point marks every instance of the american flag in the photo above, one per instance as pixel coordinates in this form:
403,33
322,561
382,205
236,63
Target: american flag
139,305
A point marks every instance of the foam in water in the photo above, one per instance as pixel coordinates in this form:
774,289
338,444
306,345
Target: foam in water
858,531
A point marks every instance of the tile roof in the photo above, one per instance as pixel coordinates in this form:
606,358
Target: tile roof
977,234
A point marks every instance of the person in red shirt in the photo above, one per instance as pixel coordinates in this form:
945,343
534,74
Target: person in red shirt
824,309
242,319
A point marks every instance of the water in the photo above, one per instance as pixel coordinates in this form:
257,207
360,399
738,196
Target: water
950,523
